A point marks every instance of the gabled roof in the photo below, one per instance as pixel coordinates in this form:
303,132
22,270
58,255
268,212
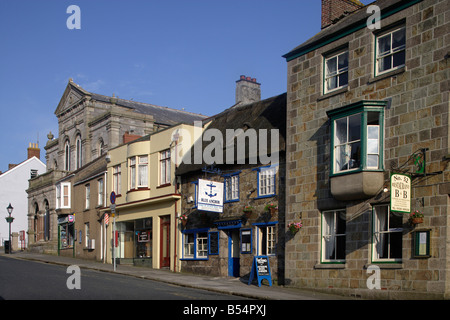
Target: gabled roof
23,163
266,114
350,24
74,93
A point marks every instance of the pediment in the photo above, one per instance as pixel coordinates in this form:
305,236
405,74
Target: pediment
72,95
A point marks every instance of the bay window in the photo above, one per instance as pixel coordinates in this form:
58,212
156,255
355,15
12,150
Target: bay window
357,137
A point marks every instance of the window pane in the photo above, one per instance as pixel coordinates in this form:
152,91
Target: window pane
398,59
332,83
398,39
372,161
343,79
341,131
331,66
355,155
384,44
384,64
343,61
372,146
354,127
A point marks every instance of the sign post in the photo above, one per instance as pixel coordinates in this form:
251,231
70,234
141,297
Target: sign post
112,198
260,270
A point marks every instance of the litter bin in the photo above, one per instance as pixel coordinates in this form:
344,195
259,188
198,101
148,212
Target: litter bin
7,246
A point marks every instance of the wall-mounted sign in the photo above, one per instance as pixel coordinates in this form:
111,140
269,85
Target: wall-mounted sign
210,196
400,193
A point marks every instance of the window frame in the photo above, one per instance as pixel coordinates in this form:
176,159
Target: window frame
165,175
389,232
101,192
334,234
389,31
117,179
261,172
262,229
326,77
87,198
61,195
200,244
363,107
228,179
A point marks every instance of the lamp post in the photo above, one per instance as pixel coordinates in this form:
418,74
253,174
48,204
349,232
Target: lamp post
9,219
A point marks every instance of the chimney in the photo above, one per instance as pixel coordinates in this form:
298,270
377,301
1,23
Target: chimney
247,90
334,10
34,151
127,137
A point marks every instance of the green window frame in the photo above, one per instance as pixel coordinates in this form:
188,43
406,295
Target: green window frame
357,137
390,50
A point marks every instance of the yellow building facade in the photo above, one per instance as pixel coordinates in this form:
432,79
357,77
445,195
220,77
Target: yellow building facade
142,229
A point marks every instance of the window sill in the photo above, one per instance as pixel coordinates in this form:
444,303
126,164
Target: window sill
138,189
194,259
330,265
387,74
333,93
385,265
265,197
164,185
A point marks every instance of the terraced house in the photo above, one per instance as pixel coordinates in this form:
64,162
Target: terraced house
367,103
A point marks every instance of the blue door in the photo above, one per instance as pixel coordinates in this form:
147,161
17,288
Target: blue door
233,253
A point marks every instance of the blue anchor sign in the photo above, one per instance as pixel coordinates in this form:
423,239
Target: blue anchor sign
210,196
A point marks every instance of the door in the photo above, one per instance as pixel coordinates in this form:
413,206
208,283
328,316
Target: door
165,242
233,253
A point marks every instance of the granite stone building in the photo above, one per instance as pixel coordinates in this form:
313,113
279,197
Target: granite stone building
89,124
365,105
224,242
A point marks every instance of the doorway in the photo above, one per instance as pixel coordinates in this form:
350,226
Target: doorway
233,253
165,242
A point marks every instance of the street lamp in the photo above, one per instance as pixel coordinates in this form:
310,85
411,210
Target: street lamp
9,220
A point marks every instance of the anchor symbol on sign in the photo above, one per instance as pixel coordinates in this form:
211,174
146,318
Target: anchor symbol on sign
210,194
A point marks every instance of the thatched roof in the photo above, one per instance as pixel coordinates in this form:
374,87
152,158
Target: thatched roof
266,114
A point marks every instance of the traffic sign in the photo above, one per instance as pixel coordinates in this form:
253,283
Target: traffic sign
112,198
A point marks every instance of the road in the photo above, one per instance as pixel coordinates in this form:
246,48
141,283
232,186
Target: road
30,280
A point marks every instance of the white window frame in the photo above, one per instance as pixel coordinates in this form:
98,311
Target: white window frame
201,245
142,171
330,235
188,245
165,167
101,192
266,181
336,74
267,240
231,187
117,179
347,145
132,166
382,226
63,193
86,234
390,53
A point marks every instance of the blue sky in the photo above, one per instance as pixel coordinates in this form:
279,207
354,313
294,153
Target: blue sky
175,53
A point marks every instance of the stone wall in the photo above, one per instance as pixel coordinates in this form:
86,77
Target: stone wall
416,117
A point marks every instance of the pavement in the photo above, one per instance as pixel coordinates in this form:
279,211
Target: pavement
228,285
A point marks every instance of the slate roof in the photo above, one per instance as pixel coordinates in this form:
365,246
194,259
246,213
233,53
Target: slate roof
163,115
265,114
355,21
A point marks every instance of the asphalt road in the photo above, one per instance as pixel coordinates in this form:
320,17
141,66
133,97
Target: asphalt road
30,280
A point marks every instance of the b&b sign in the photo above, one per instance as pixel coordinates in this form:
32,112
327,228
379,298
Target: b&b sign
210,196
400,193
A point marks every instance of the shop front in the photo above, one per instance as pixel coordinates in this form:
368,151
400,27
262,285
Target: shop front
66,235
135,242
